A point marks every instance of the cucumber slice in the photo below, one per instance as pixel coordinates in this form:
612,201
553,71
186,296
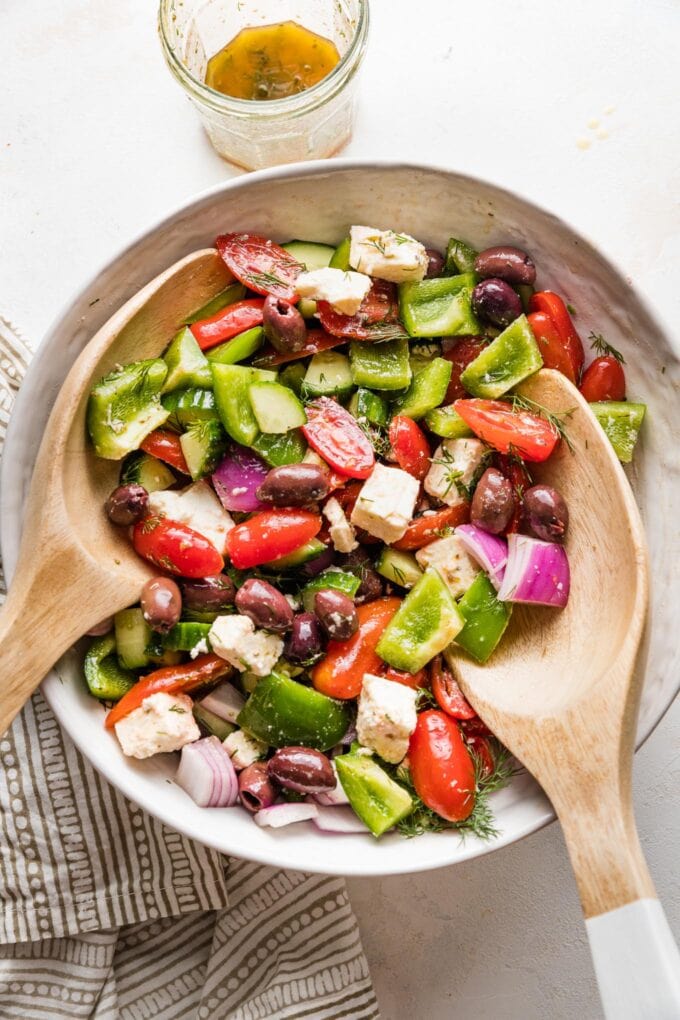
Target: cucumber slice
292,376
212,723
310,253
399,567
510,358
424,625
446,422
306,307
309,551
621,422
383,366
231,384
485,619
234,292
187,364
190,406
328,375
105,679
203,446
439,307
125,406
141,468
278,449
238,348
185,636
133,634
370,406
339,580
276,408
374,796
460,257
427,390
340,257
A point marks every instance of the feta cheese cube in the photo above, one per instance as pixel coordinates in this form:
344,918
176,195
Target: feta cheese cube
200,648
343,290
386,255
454,466
163,722
448,557
386,717
386,503
198,507
244,749
235,639
341,531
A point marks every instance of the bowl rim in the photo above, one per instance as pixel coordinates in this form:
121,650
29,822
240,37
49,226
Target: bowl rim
466,850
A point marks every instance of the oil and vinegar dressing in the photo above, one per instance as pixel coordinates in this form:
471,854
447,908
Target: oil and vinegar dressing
271,62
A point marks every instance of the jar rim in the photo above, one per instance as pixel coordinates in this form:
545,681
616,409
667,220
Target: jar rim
299,103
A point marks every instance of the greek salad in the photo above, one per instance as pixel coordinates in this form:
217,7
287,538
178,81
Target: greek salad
330,470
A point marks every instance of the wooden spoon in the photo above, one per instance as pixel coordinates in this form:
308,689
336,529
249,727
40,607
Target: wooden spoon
562,695
74,568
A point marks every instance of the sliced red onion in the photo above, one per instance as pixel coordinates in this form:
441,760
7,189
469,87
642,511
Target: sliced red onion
102,628
490,551
332,797
224,701
206,773
286,814
537,572
237,478
339,819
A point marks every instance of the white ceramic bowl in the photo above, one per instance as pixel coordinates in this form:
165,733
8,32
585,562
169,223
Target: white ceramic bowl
318,201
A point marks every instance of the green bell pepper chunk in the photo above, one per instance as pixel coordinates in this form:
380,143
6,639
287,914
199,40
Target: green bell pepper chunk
383,366
187,364
234,292
427,390
105,678
447,423
423,626
282,712
338,580
510,358
125,406
238,348
370,406
485,619
279,448
439,307
460,257
621,422
231,384
375,797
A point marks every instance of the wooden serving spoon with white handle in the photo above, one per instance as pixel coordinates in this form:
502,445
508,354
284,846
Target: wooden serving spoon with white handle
74,567
562,695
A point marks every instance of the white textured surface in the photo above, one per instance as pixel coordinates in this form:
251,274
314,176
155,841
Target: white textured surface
97,142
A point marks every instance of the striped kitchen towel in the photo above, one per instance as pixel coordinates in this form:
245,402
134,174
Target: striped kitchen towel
105,913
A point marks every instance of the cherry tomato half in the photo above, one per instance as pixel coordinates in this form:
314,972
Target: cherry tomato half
481,749
260,264
604,379
401,676
460,356
317,341
171,679
553,305
377,318
340,673
442,768
176,548
553,350
410,446
335,435
425,529
270,535
228,322
165,445
529,436
448,694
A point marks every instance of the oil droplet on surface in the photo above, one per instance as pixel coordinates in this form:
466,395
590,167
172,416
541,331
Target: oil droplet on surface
583,143
593,123
602,134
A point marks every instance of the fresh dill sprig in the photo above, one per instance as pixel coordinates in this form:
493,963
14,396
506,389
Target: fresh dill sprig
376,243
554,418
264,279
425,699
603,349
452,475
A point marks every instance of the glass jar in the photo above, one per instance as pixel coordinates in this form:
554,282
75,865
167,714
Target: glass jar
314,123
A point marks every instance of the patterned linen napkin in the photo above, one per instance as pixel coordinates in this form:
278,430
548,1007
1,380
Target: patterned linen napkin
106,913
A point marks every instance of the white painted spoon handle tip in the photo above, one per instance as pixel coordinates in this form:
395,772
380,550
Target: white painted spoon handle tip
637,962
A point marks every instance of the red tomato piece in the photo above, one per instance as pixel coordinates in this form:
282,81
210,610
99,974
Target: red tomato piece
410,446
528,435
448,694
165,445
176,548
553,305
553,350
460,356
317,341
474,728
481,749
377,318
400,676
270,535
425,529
171,679
260,264
335,435
442,768
604,379
229,322
340,673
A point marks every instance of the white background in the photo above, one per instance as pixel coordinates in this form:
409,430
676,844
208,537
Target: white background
575,105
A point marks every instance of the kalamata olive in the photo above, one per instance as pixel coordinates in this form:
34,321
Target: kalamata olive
255,788
265,605
496,301
336,613
161,602
283,325
208,594
321,562
127,504
510,264
546,513
101,628
435,262
302,769
359,562
493,502
305,641
294,485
